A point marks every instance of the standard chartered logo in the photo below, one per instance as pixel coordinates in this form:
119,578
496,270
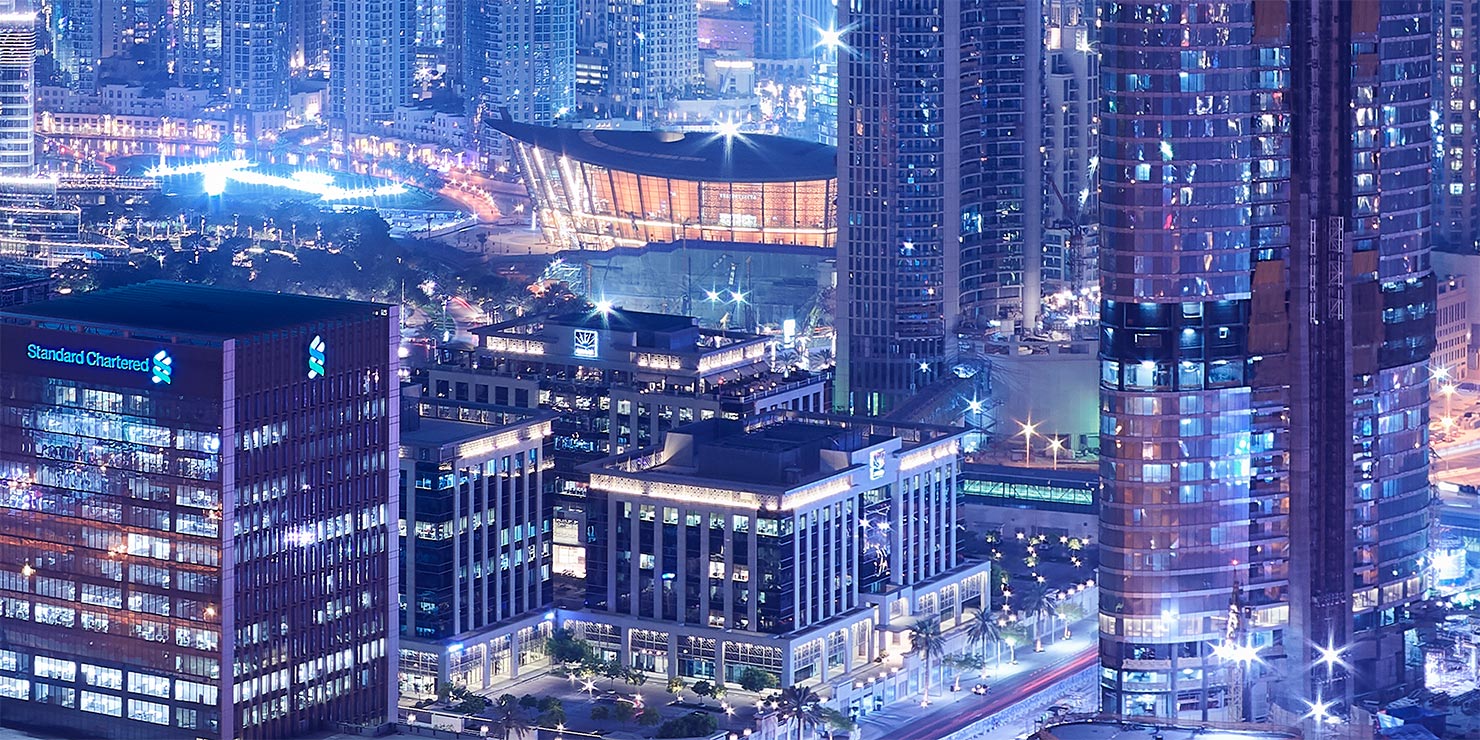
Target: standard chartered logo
316,357
159,367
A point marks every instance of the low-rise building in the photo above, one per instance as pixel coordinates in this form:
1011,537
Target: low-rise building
475,543
1452,328
803,546
617,380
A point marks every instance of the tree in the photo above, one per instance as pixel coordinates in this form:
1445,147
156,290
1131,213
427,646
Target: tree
613,670
802,706
1070,612
528,701
1038,602
624,711
981,631
693,724
635,677
600,712
756,680
963,662
926,639
836,721
471,704
719,690
564,647
508,721
676,686
702,689
649,717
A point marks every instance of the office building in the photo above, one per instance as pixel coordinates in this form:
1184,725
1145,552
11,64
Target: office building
1071,144
600,189
255,70
653,46
617,381
17,93
371,59
199,509
1266,330
521,66
908,184
1457,140
474,599
791,544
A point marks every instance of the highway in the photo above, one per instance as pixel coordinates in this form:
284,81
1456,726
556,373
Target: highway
909,721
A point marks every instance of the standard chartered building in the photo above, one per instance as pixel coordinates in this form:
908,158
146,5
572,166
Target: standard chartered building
197,509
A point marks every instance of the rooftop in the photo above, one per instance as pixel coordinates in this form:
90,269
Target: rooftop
439,432
624,320
193,309
685,156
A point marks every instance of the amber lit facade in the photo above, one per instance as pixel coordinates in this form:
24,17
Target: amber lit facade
605,189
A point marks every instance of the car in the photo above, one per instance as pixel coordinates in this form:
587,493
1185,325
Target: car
980,689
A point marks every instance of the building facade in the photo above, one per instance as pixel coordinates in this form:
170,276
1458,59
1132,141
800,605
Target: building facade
597,189
906,177
1265,333
736,546
371,58
199,509
17,93
653,48
36,227
255,64
616,381
791,29
475,543
76,42
521,65
1457,142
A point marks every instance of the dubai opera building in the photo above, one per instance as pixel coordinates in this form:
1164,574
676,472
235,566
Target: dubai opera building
600,189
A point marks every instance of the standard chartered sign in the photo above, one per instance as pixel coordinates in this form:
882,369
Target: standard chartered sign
159,367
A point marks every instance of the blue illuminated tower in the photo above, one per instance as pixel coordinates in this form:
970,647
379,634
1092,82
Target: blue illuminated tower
1267,320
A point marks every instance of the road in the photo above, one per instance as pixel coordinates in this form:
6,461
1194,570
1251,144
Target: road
1035,672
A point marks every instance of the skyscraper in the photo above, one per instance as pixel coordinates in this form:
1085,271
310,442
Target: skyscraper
256,63
76,42
654,47
370,61
788,29
200,506
17,92
1071,145
1265,331
195,35
521,65
1457,164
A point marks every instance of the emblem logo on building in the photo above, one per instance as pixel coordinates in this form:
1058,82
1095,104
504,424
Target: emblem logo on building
585,341
161,367
316,357
877,463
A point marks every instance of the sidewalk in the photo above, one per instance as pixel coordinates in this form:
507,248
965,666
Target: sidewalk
1009,684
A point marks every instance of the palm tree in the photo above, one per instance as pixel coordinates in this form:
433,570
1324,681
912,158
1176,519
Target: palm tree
981,631
802,704
836,720
926,638
1040,601
509,722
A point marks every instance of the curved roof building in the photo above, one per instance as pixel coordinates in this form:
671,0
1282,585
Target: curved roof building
599,189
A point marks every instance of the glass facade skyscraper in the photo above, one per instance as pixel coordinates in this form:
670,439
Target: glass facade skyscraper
1265,328
198,509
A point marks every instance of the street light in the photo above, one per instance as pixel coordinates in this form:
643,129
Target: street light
1028,427
1055,444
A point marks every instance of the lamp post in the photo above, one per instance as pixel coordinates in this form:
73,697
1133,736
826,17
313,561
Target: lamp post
1028,427
1055,444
